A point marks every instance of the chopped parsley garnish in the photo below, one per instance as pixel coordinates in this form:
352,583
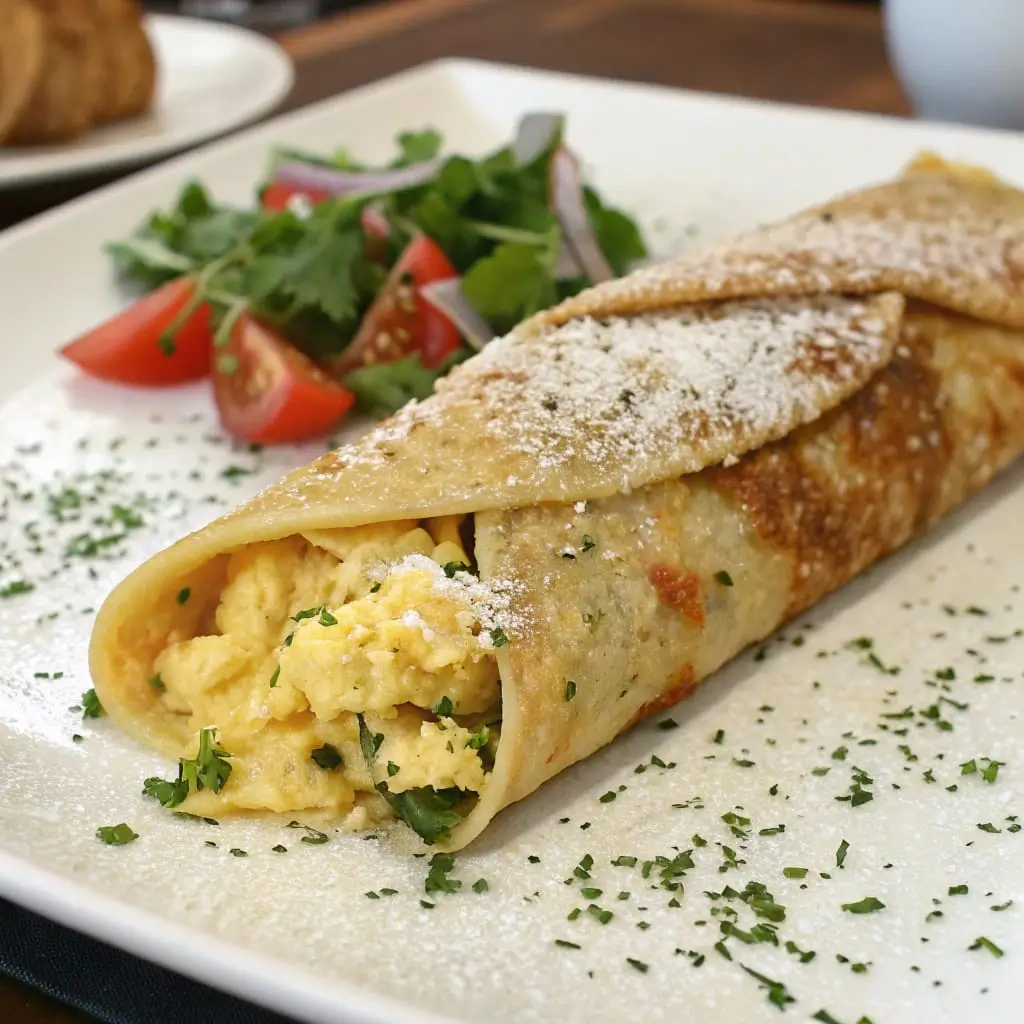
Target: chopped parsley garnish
638,965
982,943
307,613
451,568
209,769
844,847
157,683
570,690
868,905
91,706
184,594
236,852
668,723
587,543
724,578
444,708
392,769
326,618
957,890
480,885
439,876
566,944
313,836
498,637
116,835
327,757
795,872
777,993
987,769
16,587
278,848
275,676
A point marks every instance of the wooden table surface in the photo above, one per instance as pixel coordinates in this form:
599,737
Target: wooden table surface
819,53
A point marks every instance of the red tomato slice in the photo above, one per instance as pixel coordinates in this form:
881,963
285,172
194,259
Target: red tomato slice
268,392
278,194
401,322
130,347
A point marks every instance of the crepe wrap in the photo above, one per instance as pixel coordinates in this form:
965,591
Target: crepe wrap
689,456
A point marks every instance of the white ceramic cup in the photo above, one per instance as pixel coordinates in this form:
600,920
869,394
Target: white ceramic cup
960,60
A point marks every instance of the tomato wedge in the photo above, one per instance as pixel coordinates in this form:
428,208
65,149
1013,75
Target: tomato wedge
130,348
278,194
268,392
400,321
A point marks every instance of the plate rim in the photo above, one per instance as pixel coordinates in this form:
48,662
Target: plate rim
163,940
57,165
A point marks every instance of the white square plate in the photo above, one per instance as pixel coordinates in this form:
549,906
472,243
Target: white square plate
296,931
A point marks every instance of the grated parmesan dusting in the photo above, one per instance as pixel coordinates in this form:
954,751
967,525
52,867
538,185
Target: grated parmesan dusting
490,601
941,237
617,391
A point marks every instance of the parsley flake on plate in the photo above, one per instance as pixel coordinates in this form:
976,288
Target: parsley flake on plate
116,835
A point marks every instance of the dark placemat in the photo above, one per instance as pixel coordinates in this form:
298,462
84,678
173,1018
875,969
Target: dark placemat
107,984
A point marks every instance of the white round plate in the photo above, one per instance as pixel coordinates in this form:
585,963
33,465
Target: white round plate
212,79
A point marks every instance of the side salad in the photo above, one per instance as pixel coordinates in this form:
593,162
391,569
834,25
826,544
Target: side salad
351,285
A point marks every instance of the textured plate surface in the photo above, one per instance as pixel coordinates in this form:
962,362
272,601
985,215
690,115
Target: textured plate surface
211,79
776,738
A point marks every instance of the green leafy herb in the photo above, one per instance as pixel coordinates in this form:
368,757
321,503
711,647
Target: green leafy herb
383,388
587,543
183,595
16,587
958,890
116,835
91,706
439,876
444,708
480,885
209,769
313,836
570,690
844,847
451,568
275,676
868,905
429,812
982,943
566,944
327,757
498,637
795,872
157,683
638,965
777,992
724,578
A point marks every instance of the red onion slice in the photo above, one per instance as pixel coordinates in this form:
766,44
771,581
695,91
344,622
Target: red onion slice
340,183
566,189
447,298
536,134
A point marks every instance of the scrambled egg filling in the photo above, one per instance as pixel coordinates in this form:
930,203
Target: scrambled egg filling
313,631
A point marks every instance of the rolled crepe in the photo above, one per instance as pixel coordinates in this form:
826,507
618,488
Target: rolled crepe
587,519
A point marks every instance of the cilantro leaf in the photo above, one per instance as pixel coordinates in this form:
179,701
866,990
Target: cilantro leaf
617,235
384,388
417,147
511,284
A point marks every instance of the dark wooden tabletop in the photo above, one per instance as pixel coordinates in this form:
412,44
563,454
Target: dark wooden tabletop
800,51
